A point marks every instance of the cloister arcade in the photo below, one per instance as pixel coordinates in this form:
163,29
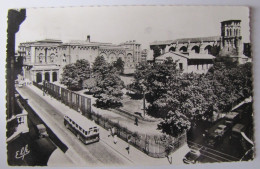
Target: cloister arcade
50,76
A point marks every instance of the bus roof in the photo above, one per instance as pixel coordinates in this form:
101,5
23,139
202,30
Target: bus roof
81,120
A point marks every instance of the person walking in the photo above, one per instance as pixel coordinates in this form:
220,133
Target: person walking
115,139
109,132
136,121
128,145
113,131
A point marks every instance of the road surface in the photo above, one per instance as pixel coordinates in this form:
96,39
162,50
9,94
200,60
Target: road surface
96,154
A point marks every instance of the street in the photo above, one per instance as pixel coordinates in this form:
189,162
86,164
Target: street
94,154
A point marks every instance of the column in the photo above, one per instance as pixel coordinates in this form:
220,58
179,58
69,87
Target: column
51,76
43,75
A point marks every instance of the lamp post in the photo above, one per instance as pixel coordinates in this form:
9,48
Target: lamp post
144,107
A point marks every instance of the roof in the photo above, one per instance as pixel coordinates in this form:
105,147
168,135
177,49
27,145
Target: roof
189,56
187,40
80,120
112,47
130,43
50,41
85,43
231,20
200,56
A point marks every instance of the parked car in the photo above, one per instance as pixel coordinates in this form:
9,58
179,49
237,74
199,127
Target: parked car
236,131
191,157
213,140
20,85
221,130
231,118
42,131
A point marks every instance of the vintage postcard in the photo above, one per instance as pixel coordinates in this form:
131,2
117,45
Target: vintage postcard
129,86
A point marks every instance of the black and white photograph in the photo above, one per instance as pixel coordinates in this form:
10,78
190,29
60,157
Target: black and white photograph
97,86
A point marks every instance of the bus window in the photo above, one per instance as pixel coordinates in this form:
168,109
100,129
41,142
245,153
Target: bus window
86,133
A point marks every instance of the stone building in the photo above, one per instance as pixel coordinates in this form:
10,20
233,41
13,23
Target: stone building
198,63
44,59
229,44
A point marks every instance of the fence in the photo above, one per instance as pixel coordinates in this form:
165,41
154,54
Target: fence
152,145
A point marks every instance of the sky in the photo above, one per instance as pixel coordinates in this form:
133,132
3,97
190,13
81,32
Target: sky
116,24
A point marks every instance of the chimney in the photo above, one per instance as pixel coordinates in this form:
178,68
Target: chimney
88,38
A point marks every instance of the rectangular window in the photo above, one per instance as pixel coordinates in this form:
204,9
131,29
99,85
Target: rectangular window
181,66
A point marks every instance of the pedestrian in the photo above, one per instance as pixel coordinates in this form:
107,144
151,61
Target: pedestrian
113,131
79,111
115,139
128,144
43,92
109,132
136,121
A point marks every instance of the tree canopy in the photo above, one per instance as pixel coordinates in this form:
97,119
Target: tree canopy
108,84
119,65
75,73
196,96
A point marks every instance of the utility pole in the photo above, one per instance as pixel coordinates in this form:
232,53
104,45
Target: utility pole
144,102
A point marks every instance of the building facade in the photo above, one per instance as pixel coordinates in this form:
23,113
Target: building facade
229,43
44,60
188,63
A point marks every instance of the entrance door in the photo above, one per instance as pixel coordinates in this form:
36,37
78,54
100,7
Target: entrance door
47,76
38,77
54,76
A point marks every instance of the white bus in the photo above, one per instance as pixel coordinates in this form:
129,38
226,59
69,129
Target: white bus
85,130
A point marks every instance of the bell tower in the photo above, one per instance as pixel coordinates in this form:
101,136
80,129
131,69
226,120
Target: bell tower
231,39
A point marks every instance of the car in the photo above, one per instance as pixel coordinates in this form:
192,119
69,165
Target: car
42,132
20,85
213,140
231,118
191,157
236,131
221,129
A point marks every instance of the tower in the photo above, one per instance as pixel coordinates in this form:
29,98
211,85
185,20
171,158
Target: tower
231,37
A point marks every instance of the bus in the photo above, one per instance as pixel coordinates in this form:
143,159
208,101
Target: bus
85,130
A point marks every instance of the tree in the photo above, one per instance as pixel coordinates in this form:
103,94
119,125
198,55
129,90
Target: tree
75,73
108,84
140,75
119,65
174,124
156,52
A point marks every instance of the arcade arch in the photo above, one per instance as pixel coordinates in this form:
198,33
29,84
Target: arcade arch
196,49
172,49
207,49
183,49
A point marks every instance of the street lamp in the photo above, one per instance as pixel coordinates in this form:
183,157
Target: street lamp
144,89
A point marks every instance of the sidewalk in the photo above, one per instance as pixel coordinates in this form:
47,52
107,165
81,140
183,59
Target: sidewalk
136,157
144,127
